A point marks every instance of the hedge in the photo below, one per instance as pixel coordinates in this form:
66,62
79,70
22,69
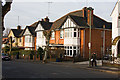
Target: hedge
118,55
27,52
14,52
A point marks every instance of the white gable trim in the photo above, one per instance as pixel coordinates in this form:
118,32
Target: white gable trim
69,23
27,32
39,28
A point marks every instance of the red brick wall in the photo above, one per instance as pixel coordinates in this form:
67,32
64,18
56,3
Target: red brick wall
57,39
82,41
35,43
96,41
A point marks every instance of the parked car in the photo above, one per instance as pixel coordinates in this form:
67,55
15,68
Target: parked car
107,57
5,57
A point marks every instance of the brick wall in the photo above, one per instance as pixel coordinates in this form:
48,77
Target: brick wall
97,41
57,39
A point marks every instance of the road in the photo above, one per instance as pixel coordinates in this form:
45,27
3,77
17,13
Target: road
12,69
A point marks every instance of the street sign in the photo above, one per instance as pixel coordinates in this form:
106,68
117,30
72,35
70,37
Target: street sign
89,45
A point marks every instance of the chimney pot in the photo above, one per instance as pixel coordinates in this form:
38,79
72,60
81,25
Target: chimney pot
46,19
19,27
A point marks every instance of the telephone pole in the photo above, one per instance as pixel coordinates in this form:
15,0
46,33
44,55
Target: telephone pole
89,44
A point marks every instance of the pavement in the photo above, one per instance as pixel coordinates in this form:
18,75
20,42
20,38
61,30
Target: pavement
82,65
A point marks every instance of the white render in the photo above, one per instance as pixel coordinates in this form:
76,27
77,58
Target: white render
40,39
69,40
115,26
28,35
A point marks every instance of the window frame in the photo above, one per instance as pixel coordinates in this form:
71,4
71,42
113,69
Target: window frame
53,35
61,34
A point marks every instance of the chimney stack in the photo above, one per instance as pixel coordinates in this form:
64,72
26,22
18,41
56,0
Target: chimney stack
88,12
18,27
42,19
46,19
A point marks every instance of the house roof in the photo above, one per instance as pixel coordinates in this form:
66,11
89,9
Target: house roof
98,23
59,22
34,24
31,28
17,32
46,25
80,20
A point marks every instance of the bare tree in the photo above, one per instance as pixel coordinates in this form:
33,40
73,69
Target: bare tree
5,9
47,35
6,32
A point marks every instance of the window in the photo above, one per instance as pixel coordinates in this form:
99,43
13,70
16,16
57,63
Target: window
26,39
119,23
30,38
61,34
53,35
75,31
74,47
70,52
68,22
74,34
78,33
20,39
67,52
68,32
74,50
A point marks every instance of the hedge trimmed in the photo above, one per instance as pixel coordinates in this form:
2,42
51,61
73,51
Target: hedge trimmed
14,52
27,52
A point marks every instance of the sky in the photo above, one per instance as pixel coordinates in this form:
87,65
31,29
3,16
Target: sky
30,11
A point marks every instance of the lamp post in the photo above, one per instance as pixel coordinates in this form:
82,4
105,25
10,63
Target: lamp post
90,9
103,43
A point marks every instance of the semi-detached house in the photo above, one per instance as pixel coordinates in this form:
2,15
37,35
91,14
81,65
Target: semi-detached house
29,37
17,41
71,32
43,25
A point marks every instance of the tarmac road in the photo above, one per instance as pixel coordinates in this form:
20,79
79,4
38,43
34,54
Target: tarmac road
14,69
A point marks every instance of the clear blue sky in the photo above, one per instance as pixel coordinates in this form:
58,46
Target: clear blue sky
30,12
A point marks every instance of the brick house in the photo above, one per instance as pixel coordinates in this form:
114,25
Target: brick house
71,32
29,36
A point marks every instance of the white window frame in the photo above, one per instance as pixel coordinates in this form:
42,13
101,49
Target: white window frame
30,38
61,34
53,35
75,31
26,38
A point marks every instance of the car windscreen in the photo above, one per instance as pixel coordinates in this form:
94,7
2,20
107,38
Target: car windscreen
4,54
